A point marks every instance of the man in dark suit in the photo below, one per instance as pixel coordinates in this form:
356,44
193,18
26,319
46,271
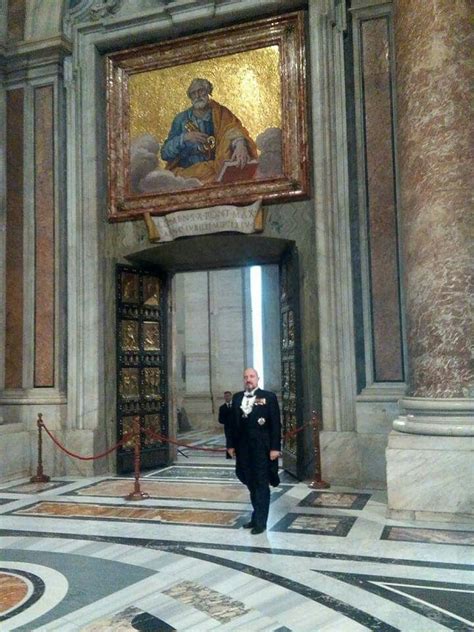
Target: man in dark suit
254,439
225,415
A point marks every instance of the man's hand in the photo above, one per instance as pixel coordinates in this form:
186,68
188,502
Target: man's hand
274,454
231,452
241,153
196,137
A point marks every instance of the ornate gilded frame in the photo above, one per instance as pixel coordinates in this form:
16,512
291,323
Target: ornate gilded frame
284,31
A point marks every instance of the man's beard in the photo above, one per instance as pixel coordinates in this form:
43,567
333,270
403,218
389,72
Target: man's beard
200,103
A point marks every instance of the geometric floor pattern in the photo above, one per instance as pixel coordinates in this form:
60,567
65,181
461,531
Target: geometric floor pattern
77,556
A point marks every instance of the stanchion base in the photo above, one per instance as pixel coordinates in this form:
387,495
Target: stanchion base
137,496
319,484
40,479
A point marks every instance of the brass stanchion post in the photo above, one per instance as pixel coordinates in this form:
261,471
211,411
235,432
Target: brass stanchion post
40,476
137,493
317,482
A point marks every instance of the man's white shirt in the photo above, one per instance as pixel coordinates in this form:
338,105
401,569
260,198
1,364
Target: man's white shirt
248,402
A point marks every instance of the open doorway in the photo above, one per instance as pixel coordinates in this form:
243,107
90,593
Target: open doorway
160,370
225,320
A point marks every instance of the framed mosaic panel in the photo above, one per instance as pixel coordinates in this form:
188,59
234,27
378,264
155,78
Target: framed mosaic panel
215,118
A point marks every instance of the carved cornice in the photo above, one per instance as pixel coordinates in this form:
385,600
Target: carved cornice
36,53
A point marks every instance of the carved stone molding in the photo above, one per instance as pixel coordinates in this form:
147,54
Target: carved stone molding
31,55
104,8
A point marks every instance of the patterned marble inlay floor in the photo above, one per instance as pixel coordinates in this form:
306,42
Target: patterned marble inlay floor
201,472
329,561
217,605
129,620
13,590
435,536
321,525
35,488
221,518
331,499
166,489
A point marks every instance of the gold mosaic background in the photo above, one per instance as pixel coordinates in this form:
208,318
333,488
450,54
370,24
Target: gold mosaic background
247,83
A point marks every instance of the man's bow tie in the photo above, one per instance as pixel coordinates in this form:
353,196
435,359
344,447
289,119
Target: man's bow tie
248,395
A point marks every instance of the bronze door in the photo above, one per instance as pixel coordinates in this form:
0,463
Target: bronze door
291,385
141,364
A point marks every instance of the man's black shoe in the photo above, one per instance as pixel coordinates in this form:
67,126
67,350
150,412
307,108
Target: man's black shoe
248,525
257,530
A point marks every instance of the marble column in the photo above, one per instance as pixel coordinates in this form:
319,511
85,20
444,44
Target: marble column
432,473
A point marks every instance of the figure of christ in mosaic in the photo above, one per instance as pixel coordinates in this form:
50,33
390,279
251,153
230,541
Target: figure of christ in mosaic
205,136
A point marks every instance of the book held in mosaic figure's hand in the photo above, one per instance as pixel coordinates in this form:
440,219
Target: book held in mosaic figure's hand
232,172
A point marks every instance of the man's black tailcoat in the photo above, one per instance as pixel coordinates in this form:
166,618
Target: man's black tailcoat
225,414
253,437
225,418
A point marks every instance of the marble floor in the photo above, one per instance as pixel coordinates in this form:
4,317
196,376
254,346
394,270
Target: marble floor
77,556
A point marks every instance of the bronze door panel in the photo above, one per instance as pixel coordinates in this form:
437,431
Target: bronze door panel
141,365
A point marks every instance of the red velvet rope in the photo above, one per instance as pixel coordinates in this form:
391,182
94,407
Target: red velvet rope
154,435
160,437
125,438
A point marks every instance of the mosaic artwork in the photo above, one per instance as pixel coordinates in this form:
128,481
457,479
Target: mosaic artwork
331,499
208,119
432,536
320,525
213,603
172,515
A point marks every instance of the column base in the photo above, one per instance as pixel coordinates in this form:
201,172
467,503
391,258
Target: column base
430,477
447,417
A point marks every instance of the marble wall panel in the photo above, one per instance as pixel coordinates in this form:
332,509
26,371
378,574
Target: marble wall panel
373,463
381,202
44,238
437,474
376,417
14,241
14,451
340,458
16,12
